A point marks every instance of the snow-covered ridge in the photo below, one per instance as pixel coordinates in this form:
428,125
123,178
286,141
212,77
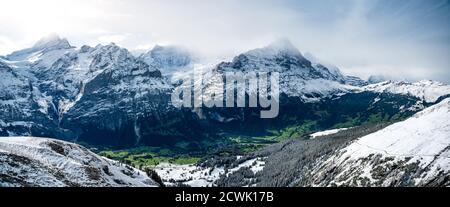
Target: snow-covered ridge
412,152
31,161
426,90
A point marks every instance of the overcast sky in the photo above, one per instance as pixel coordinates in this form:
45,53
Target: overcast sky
405,39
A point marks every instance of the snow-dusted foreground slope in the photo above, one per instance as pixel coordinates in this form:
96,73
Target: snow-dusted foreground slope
30,161
414,152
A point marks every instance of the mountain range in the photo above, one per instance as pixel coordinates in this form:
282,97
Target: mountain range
104,96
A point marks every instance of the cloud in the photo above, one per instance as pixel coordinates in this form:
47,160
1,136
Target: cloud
144,47
6,45
114,38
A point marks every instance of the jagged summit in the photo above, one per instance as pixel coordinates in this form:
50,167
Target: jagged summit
280,55
44,45
52,41
298,76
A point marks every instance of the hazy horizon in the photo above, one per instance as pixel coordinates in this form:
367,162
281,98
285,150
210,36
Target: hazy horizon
399,39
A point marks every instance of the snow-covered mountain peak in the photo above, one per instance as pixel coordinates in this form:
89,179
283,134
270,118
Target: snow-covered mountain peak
298,76
52,42
280,56
46,50
281,48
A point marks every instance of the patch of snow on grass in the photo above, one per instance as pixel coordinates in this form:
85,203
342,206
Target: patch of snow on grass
326,132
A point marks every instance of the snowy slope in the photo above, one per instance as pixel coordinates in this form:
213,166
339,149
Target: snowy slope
197,176
412,152
191,175
425,90
31,161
